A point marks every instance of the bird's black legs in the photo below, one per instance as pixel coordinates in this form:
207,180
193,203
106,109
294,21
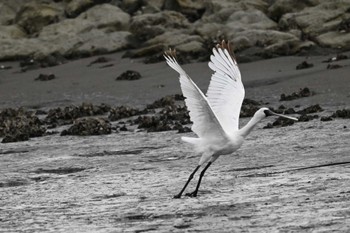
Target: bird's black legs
194,193
188,181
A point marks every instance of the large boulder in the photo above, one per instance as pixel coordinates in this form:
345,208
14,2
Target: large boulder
319,19
11,32
33,17
281,7
193,10
75,7
148,26
335,39
7,14
251,19
106,16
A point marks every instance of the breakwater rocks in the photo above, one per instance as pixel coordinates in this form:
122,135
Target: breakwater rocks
53,31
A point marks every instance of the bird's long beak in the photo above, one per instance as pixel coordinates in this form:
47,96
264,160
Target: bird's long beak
269,112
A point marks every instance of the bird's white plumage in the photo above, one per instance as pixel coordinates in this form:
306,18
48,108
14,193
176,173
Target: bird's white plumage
226,91
205,122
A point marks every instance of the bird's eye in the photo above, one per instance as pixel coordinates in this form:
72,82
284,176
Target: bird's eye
267,113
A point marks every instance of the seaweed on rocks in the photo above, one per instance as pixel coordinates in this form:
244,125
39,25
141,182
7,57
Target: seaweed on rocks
343,113
304,65
303,92
19,125
65,116
311,109
120,112
89,126
129,75
306,117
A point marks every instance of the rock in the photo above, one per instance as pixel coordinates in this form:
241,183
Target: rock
310,109
304,65
11,32
89,126
280,122
99,60
75,7
64,116
343,113
270,41
193,10
45,77
131,6
189,46
316,20
33,17
326,118
305,92
251,19
305,117
281,7
7,13
123,112
106,17
19,125
153,124
129,75
344,26
147,26
334,39
333,66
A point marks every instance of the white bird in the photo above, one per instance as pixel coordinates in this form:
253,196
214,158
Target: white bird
215,115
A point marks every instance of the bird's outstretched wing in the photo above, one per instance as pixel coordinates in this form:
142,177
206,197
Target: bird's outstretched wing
205,122
226,91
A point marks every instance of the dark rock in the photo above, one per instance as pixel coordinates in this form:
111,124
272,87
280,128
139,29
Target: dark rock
45,77
344,25
123,112
64,116
311,109
129,75
99,60
19,125
333,66
305,92
184,129
326,118
305,117
343,113
153,123
163,102
304,65
123,128
280,122
105,66
89,126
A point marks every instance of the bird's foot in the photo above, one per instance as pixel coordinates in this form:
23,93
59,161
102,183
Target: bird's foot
193,194
177,196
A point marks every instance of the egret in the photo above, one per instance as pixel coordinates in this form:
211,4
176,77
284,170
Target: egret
215,115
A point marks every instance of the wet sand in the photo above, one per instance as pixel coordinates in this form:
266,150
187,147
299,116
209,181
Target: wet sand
294,178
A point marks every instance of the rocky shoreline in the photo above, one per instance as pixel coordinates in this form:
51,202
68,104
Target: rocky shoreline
49,32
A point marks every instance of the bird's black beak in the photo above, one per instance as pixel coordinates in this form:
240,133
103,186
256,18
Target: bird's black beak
271,113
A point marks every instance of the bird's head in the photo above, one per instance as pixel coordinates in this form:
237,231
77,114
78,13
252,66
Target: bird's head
265,112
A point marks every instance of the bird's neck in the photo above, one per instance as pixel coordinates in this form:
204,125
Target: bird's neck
244,131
